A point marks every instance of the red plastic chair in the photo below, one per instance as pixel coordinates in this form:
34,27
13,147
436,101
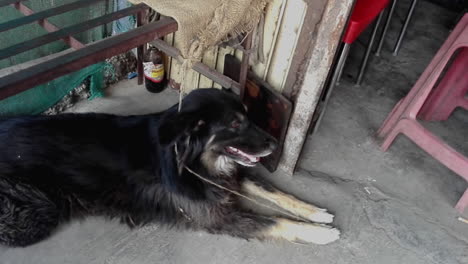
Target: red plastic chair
364,12
435,104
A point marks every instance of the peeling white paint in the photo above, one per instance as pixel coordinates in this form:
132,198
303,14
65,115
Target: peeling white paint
320,62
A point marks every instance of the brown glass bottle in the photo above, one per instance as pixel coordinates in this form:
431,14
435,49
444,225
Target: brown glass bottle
155,77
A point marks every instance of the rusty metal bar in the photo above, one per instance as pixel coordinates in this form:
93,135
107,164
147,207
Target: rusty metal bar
92,53
68,31
37,17
140,49
71,41
199,67
19,67
9,2
245,64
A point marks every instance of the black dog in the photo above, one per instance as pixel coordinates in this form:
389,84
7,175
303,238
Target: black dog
55,168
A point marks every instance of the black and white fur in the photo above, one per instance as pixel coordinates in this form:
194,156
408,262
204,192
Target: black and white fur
56,168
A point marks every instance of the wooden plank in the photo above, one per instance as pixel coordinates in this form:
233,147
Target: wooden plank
286,41
220,62
244,68
169,39
175,64
278,24
189,78
68,31
209,59
95,52
9,2
238,54
273,21
199,67
327,34
45,14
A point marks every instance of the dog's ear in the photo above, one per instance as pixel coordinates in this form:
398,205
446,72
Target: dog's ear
177,126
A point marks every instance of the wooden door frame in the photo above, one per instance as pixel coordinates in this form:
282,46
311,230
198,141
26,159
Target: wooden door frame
313,59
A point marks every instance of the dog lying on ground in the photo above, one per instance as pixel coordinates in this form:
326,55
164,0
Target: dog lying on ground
55,168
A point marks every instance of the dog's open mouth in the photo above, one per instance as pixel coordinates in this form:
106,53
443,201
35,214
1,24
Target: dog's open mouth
244,158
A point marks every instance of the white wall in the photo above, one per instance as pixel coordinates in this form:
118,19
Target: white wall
283,23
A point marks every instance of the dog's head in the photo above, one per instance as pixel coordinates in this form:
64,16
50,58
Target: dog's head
212,128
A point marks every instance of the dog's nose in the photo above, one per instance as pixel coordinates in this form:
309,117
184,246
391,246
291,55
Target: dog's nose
271,142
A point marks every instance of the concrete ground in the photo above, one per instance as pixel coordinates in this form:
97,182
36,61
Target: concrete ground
393,207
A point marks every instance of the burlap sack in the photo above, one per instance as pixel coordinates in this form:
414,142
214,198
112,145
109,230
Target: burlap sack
205,23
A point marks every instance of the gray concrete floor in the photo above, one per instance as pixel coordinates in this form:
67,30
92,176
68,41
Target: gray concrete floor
393,207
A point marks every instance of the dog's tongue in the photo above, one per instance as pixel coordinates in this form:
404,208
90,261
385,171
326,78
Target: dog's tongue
245,155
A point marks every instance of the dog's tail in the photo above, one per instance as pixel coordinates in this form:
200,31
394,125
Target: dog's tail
27,215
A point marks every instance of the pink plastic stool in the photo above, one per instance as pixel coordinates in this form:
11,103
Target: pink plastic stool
451,91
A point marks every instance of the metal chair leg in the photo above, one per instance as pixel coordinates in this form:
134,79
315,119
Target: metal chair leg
405,27
340,64
385,29
336,75
368,50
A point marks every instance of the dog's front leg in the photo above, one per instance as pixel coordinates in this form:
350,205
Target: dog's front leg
256,187
248,226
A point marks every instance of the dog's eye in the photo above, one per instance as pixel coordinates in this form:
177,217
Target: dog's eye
235,124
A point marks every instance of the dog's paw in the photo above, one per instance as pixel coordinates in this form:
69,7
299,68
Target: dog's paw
313,213
304,233
321,216
316,234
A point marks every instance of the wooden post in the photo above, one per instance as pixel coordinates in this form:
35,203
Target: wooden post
327,36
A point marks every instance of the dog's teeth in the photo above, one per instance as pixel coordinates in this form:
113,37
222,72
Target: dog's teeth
243,154
233,149
252,159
